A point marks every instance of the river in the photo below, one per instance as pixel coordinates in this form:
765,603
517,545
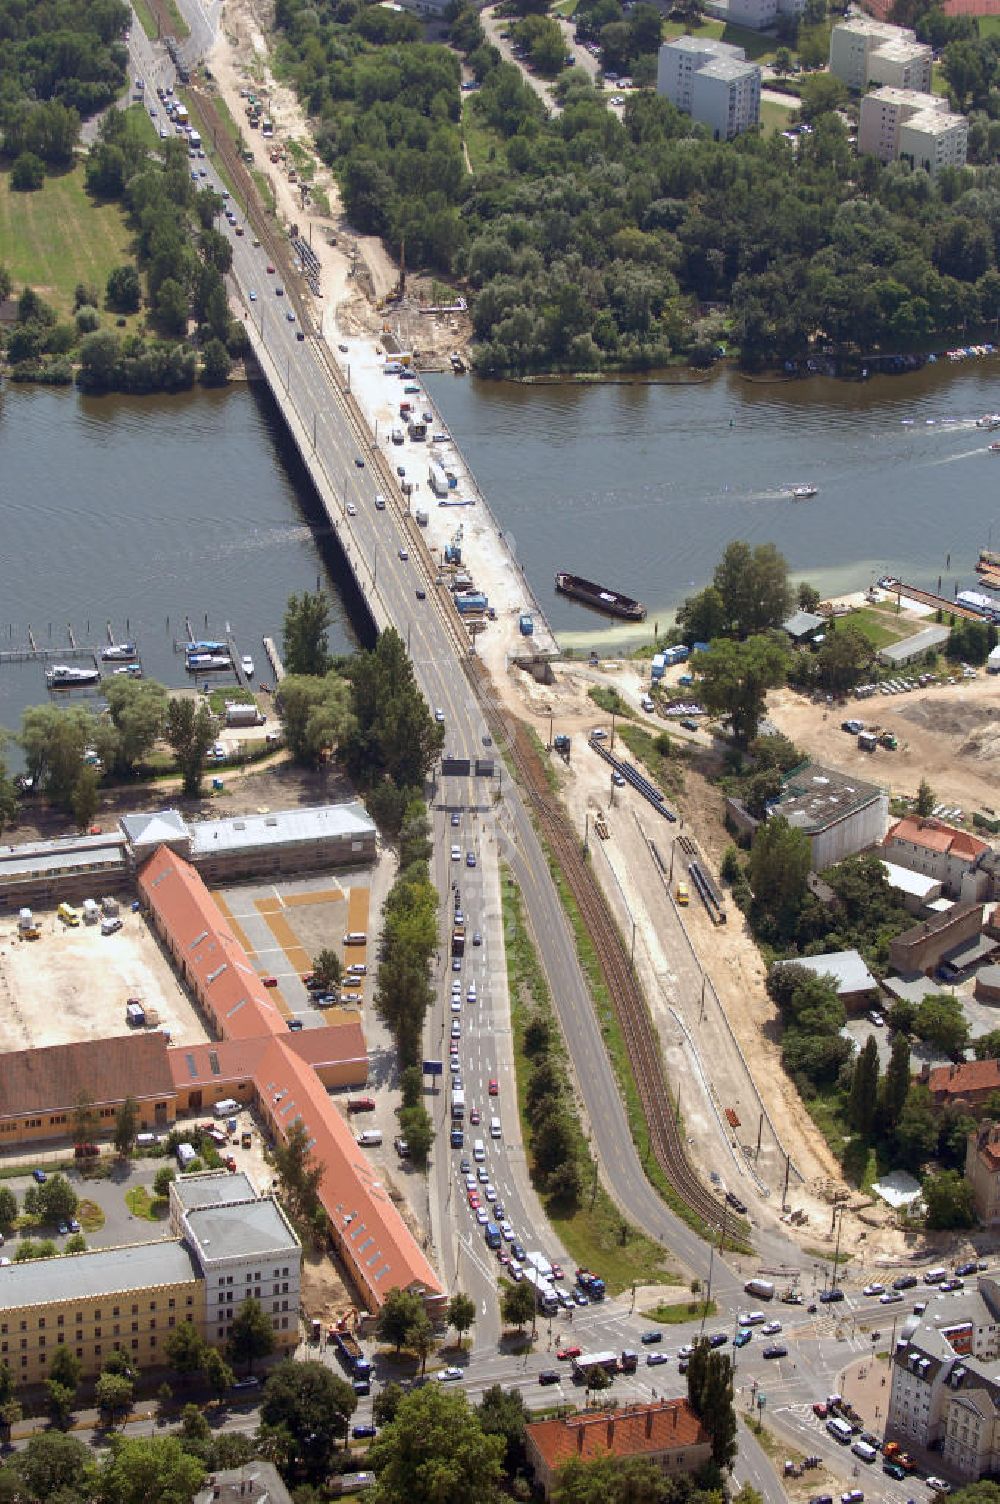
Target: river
147,511
141,511
642,486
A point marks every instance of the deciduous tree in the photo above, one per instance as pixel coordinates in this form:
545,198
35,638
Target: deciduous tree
126,1126
190,731
251,1335
399,1311
735,678
150,1470
299,1172
307,624
948,1198
314,1406
518,1304
436,1452
461,1314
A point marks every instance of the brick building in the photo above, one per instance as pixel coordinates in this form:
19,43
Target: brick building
925,945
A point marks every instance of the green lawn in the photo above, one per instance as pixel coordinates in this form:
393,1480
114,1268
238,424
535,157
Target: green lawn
758,47
58,237
989,26
880,626
485,146
774,117
684,1310
938,82
146,18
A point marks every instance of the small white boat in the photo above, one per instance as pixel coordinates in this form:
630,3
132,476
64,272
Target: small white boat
803,493
246,663
198,663
995,448
119,652
989,420
129,670
62,676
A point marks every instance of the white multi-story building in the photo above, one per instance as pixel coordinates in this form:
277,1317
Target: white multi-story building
933,139
755,14
712,82
866,53
244,1246
904,123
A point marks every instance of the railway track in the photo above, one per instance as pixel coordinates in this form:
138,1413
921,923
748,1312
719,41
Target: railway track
630,1007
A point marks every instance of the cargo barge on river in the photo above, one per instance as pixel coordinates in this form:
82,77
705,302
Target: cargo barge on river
598,596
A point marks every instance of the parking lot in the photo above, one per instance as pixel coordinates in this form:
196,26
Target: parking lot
72,984
284,925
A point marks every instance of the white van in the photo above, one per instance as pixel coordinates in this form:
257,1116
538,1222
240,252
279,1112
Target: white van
370,1139
479,1152
225,1108
865,1451
839,1430
495,1129
186,1155
647,704
750,1318
146,1140
356,937
935,1276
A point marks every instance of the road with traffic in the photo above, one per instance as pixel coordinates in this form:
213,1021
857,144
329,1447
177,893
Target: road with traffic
399,581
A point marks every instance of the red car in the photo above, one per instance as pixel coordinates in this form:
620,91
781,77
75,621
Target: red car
270,270
474,1201
474,1115
819,1409
494,1087
557,1271
569,1352
361,1104
270,981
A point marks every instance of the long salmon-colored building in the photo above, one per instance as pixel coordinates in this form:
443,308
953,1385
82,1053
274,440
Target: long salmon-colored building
286,1079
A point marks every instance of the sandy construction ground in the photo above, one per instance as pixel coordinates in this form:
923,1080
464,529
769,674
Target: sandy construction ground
948,734
72,984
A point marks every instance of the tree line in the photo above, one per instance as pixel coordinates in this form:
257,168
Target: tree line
68,749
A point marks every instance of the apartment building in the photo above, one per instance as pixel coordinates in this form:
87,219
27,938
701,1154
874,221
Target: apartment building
946,1382
712,82
921,128
933,139
866,53
230,1244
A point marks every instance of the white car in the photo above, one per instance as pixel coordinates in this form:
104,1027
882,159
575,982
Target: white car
456,1005
482,1216
456,853
771,1328
874,1289
507,1232
438,714
470,1182
890,1298
938,1485
449,1375
352,510
456,1029
489,1193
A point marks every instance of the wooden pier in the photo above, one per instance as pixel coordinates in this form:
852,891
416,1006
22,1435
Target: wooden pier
274,659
